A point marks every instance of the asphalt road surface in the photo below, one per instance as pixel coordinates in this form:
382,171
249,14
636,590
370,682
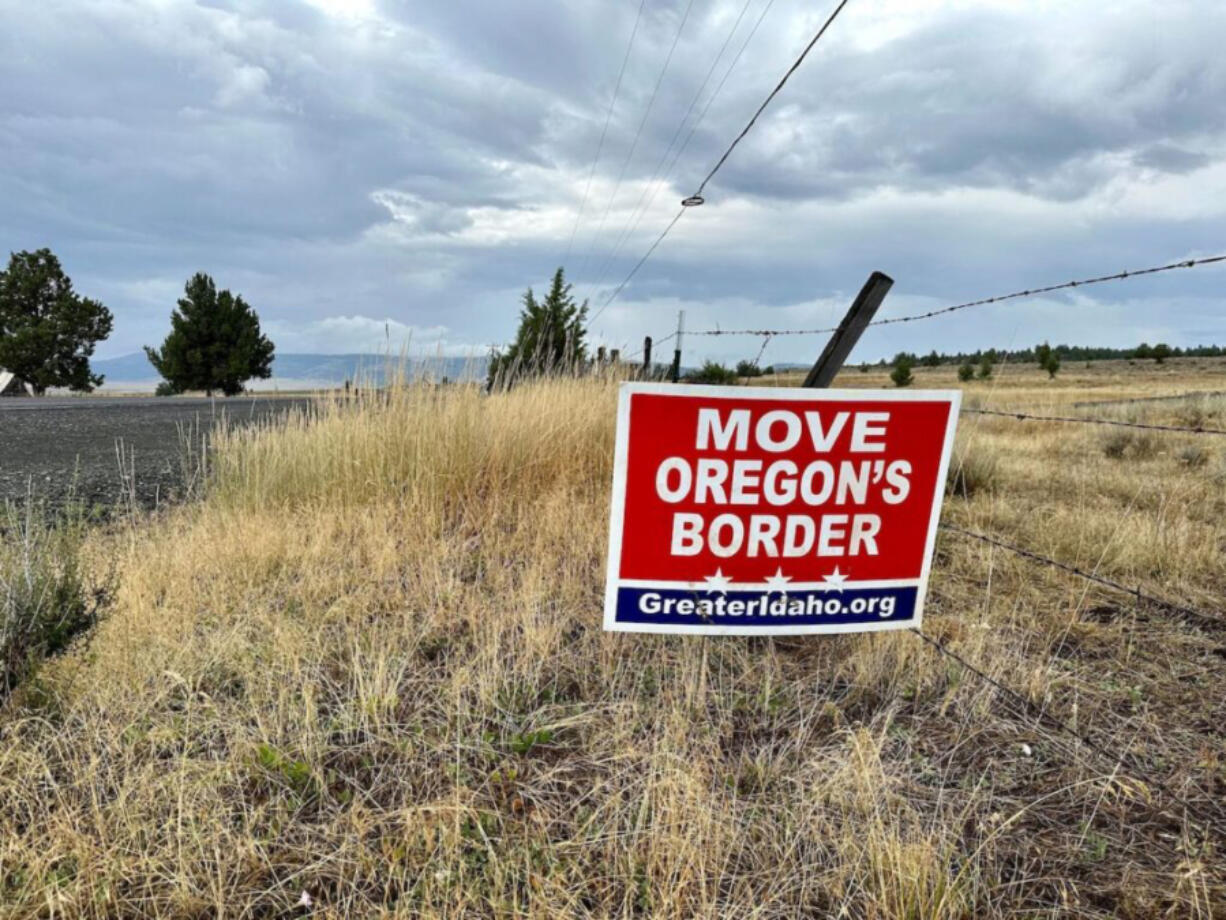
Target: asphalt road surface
56,447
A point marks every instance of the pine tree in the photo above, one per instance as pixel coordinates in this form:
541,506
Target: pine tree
215,342
1048,359
901,375
550,339
47,331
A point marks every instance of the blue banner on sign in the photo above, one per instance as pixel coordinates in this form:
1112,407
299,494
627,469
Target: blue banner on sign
688,607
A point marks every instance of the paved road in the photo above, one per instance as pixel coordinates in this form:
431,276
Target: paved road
55,446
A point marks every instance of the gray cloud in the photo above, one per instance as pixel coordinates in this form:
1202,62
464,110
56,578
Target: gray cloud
347,164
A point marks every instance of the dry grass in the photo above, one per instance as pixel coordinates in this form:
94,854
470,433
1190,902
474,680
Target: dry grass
369,667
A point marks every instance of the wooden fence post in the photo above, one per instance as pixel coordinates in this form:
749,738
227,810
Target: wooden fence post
850,329
676,369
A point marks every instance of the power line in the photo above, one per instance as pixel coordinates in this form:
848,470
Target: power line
1022,416
641,208
637,265
1031,292
642,123
723,80
604,131
791,70
697,195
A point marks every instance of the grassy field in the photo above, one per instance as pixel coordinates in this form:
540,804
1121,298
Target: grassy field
366,677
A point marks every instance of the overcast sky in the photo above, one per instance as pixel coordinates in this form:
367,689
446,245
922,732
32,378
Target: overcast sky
355,169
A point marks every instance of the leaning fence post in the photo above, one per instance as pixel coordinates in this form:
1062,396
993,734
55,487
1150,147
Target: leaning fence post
850,329
646,356
676,369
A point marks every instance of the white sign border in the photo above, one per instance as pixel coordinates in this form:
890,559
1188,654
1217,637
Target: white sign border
617,505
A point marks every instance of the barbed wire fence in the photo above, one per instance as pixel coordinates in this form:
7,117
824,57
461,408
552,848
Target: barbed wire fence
941,311
1210,823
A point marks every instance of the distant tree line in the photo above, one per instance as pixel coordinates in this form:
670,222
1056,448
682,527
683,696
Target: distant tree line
1066,353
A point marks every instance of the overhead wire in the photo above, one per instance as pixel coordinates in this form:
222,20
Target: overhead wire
639,264
639,133
773,93
697,123
640,208
604,131
744,131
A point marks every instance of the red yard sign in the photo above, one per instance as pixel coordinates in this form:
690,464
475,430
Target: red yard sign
767,511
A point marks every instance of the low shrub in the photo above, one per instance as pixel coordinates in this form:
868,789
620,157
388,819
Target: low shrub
1118,445
972,473
1194,456
712,372
46,596
901,375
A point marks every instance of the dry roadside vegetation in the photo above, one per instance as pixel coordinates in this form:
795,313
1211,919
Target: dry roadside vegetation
365,676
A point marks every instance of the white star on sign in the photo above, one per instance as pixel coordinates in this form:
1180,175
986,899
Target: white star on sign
835,580
778,581
717,582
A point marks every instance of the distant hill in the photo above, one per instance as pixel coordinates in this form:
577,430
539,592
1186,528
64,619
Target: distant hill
300,371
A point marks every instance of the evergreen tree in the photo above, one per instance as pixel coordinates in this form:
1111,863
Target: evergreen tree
215,342
1048,359
550,339
901,375
932,359
47,331
1161,352
985,366
966,372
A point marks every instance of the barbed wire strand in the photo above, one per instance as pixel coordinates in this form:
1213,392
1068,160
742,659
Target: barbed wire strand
1041,714
654,343
1026,417
1194,394
1192,613
1031,292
